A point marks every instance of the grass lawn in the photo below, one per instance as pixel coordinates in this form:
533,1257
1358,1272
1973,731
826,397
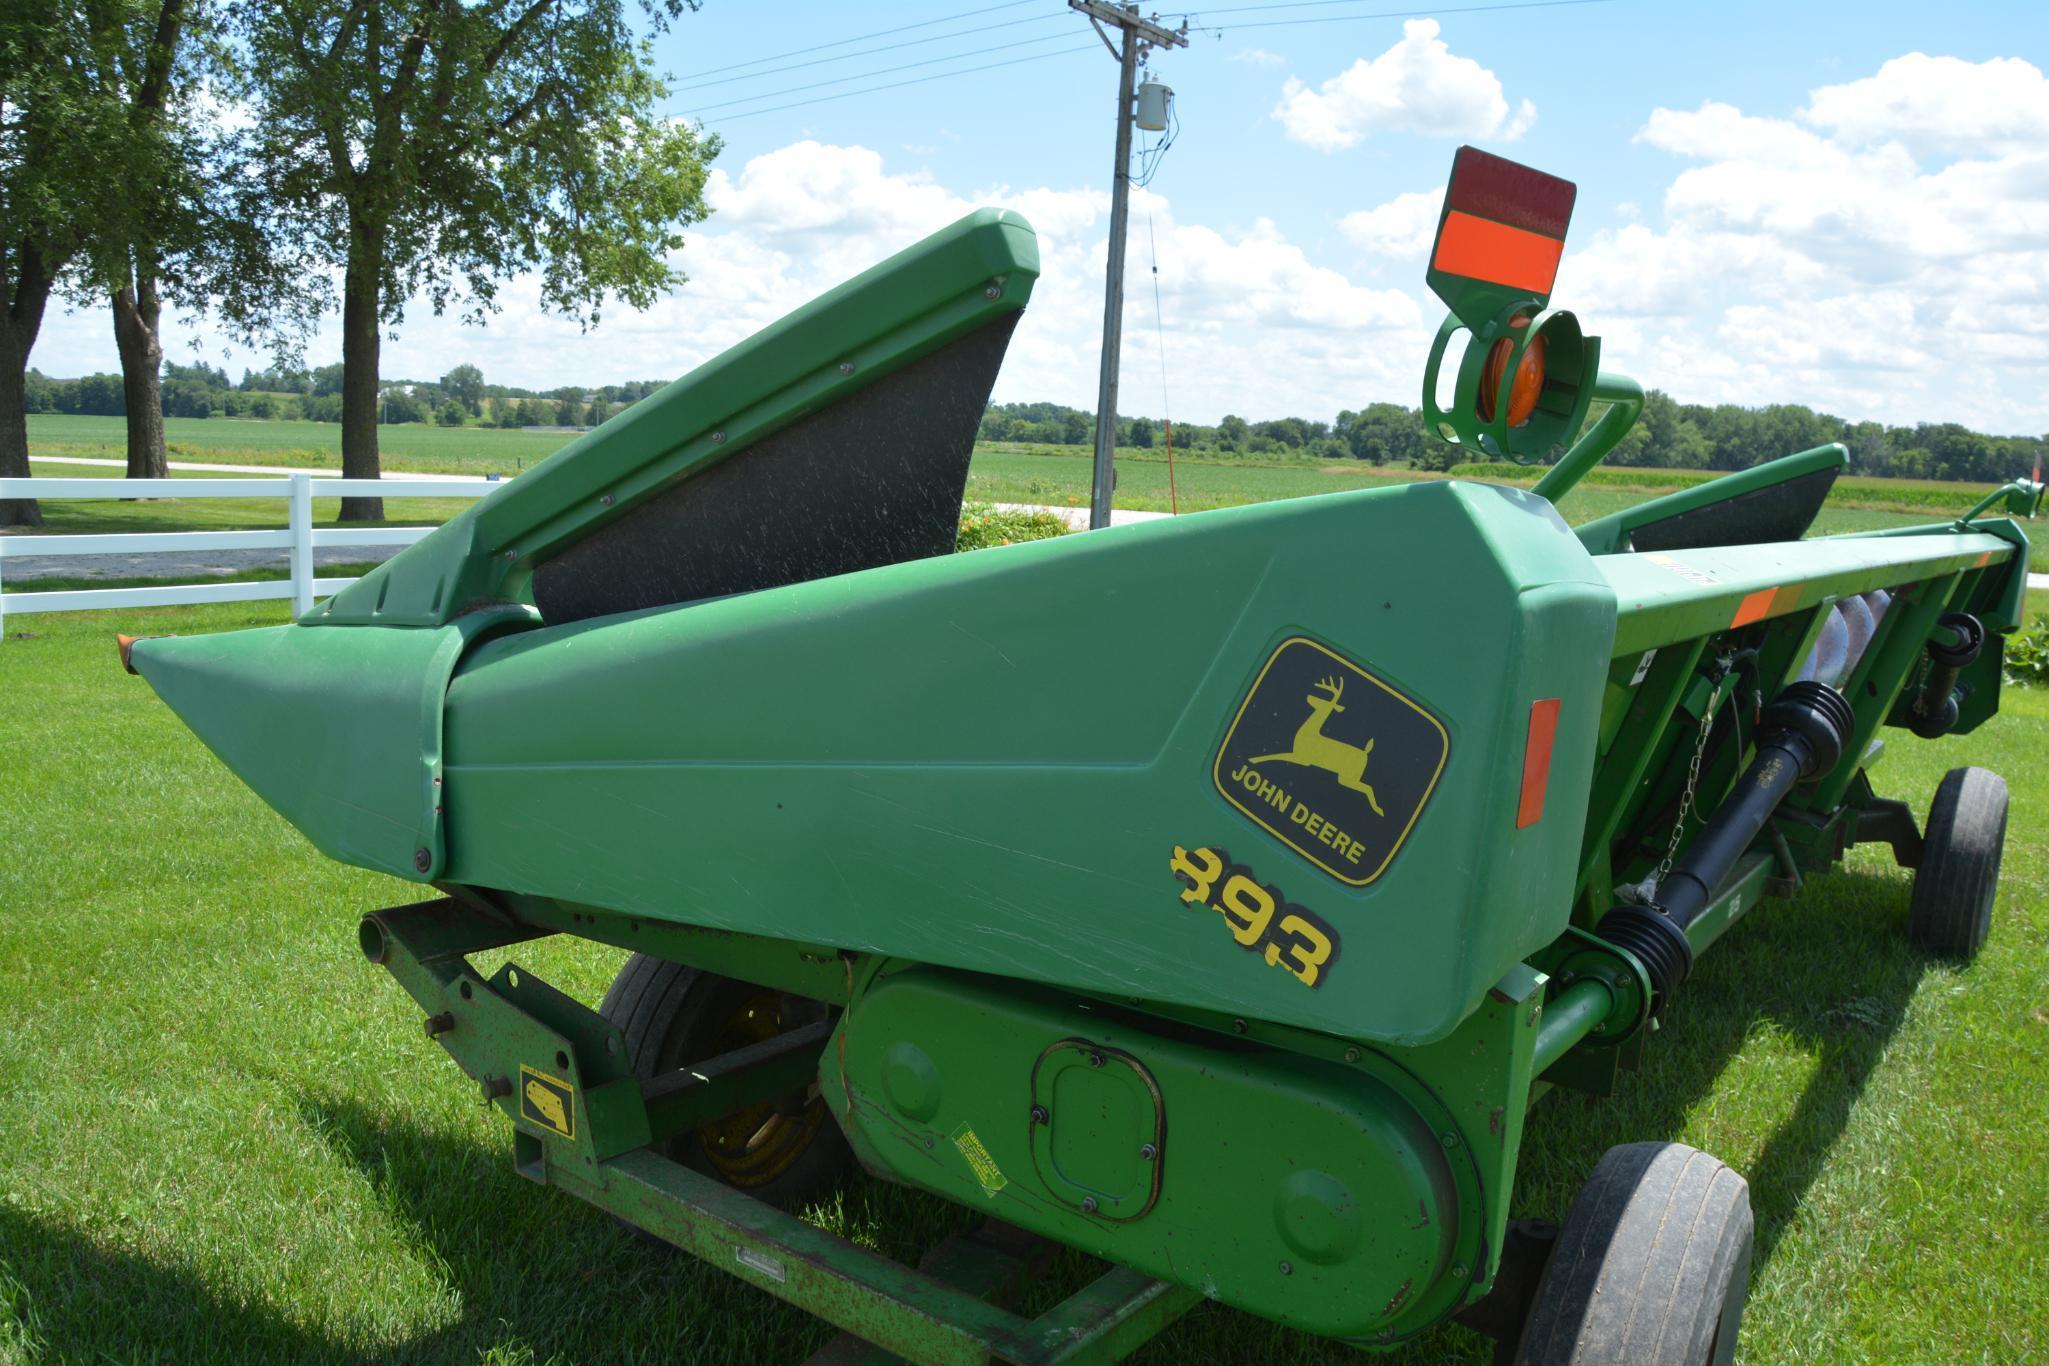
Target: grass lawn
227,1137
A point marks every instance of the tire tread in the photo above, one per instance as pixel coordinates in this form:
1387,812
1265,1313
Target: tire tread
1655,1248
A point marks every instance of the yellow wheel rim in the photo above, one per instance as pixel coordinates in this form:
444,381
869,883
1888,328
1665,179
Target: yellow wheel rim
755,1145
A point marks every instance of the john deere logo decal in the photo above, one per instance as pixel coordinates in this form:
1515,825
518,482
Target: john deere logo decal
1330,760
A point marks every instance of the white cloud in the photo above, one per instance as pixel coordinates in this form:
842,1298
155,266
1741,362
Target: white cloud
1258,56
1877,253
1416,86
1402,227
1252,323
1937,105
1882,254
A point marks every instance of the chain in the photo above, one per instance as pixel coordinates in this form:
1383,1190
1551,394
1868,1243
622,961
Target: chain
1707,721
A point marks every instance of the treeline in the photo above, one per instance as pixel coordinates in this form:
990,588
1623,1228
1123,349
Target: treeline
459,398
1670,435
1384,433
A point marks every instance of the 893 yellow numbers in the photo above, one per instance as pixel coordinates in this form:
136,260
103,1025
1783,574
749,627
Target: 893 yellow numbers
1260,920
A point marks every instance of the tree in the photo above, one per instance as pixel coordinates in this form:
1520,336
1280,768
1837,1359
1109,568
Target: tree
565,412
400,406
465,384
1388,434
58,118
437,148
183,226
451,414
597,413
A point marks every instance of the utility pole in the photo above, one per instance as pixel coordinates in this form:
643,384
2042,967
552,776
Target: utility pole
1136,34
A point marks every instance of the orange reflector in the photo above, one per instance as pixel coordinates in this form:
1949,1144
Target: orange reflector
1984,560
1481,249
1758,605
1537,761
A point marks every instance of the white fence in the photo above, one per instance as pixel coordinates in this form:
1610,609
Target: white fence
299,538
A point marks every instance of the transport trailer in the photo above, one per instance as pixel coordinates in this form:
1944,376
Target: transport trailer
1214,895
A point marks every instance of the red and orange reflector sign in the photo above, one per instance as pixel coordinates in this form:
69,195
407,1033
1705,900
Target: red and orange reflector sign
1537,761
1504,223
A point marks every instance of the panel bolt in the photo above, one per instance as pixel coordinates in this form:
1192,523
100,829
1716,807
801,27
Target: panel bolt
993,292
1039,1115
494,1087
1287,1268
605,501
440,1024
1351,1055
718,438
1460,1272
1449,1138
512,554
1148,1151
846,367
1238,1026
1088,1204
1095,1058
423,858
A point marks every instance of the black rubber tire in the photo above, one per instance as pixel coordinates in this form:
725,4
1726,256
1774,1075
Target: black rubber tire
1652,1266
672,1015
1959,873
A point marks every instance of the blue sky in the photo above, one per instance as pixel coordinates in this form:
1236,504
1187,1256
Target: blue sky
1839,204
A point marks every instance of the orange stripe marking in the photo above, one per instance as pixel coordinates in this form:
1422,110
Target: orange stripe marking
1537,761
1481,249
1758,605
1984,560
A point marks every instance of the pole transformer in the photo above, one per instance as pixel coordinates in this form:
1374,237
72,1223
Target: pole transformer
1135,35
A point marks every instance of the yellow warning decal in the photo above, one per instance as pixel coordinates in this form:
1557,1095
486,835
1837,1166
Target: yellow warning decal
547,1101
979,1162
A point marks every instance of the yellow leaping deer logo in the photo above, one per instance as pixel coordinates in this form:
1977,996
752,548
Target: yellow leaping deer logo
1314,749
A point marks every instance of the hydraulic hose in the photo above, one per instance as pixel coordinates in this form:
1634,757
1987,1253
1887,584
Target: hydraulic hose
1800,738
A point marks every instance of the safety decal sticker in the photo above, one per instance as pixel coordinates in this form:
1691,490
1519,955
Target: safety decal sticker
1330,760
1699,578
1261,920
979,1162
546,1101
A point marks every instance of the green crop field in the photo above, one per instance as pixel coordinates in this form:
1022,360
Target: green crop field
227,1138
1000,473
314,445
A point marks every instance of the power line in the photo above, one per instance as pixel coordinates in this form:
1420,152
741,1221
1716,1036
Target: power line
872,51
915,80
1353,18
884,71
860,38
